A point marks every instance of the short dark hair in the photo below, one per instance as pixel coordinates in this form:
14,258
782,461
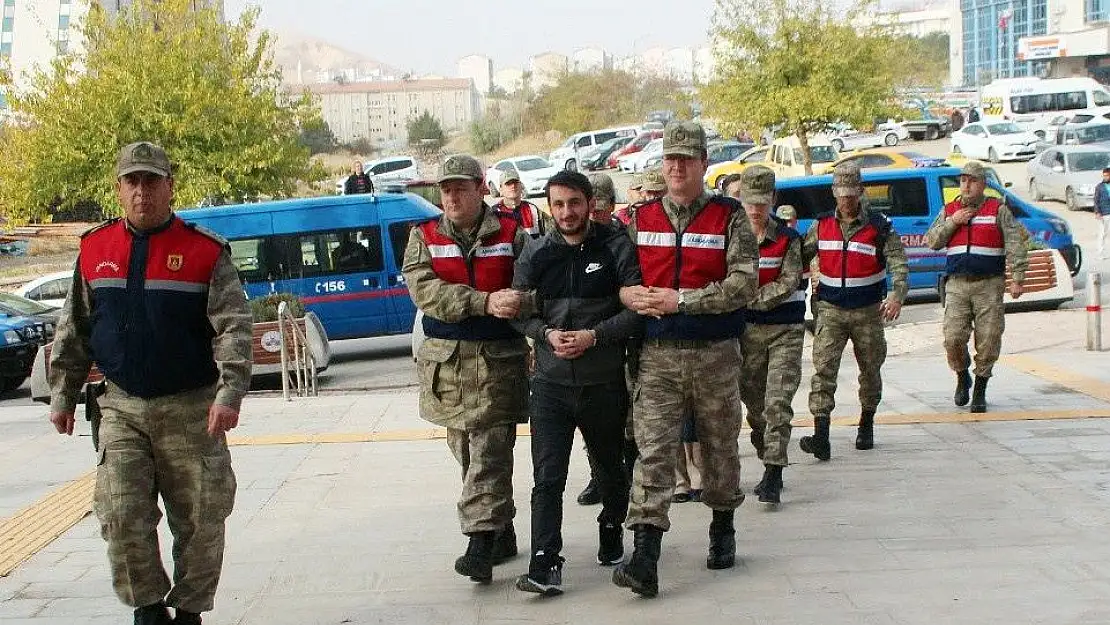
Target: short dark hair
571,179
729,179
1106,170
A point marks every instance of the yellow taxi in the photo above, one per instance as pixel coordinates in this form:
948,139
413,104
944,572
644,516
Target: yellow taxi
716,173
886,158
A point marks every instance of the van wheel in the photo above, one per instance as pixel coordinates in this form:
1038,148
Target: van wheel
1034,191
891,139
571,165
992,156
1069,199
932,133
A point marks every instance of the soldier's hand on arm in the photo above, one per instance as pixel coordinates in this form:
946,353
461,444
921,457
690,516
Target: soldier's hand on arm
891,308
504,304
63,422
1017,289
661,300
221,419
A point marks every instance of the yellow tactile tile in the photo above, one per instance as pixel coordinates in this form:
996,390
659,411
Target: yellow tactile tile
1063,376
36,526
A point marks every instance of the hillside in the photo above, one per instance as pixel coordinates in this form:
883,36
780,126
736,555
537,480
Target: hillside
316,55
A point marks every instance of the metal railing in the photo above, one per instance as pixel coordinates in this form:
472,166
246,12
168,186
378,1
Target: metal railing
303,363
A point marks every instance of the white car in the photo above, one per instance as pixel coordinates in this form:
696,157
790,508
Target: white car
995,141
533,171
383,170
846,138
635,162
50,289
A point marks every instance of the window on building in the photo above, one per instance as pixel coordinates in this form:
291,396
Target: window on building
63,22
8,23
6,49
1098,10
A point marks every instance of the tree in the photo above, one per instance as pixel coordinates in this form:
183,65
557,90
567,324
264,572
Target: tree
425,132
580,100
925,62
317,136
804,65
207,91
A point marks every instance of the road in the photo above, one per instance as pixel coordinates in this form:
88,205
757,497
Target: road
386,362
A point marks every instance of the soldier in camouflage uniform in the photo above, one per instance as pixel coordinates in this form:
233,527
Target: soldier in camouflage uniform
158,305
980,235
856,250
473,364
690,356
772,341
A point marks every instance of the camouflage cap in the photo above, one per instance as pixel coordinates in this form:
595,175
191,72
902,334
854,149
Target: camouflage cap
846,180
757,185
509,176
653,181
637,182
142,156
975,169
460,167
684,139
786,212
603,189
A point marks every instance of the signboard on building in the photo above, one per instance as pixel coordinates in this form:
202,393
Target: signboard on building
1040,48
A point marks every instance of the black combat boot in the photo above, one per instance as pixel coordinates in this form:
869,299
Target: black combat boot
818,444
865,434
722,541
757,442
186,618
153,614
591,495
504,545
963,388
769,488
979,395
477,562
641,572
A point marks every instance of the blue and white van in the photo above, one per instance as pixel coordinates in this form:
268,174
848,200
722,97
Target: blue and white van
913,198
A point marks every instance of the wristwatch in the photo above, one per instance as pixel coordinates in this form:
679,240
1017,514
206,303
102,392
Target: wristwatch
681,302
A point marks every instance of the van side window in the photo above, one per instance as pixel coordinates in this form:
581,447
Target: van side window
899,198
602,137
584,142
249,259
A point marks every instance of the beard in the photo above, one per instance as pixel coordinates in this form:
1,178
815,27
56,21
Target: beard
579,228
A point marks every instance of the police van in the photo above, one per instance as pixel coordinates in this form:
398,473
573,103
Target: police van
1032,102
912,199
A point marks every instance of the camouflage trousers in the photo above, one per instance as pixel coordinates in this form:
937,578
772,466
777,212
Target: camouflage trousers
974,302
770,378
672,382
835,326
161,447
486,458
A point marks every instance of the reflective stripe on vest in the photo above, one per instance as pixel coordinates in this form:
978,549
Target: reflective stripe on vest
853,272
771,255
490,269
977,248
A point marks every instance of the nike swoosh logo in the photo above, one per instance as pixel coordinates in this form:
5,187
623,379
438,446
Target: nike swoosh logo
592,267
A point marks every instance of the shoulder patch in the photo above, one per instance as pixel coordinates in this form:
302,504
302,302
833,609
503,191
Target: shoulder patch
222,242
99,226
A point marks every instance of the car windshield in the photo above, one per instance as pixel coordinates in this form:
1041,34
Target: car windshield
819,154
21,305
1004,129
1093,134
656,144
531,164
1089,161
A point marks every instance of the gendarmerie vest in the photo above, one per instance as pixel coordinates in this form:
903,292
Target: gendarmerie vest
977,248
771,256
853,272
526,214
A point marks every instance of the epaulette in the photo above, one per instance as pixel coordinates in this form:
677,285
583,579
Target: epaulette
222,242
99,226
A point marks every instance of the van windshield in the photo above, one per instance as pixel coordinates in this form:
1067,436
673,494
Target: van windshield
530,164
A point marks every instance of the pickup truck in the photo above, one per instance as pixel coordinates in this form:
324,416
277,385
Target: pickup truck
929,127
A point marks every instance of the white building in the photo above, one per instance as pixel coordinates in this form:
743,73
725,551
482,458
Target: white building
509,79
479,69
915,23
591,60
547,68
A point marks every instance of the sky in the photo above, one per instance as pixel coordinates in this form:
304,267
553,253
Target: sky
429,36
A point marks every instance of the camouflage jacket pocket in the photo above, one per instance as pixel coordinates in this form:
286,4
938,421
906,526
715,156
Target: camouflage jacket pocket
437,366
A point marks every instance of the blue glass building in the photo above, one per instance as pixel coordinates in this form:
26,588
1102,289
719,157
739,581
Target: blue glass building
991,30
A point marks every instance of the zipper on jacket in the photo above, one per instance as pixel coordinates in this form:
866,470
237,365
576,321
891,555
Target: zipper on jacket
576,253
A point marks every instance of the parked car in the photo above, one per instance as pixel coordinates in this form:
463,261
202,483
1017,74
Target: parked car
885,158
46,316
50,289
568,154
721,151
635,162
994,141
716,174
1069,173
598,157
847,138
1079,133
533,171
636,145
20,338
788,159
383,170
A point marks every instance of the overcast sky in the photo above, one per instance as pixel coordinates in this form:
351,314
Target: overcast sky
429,36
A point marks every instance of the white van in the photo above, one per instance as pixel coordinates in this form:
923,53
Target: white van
567,155
383,170
1032,102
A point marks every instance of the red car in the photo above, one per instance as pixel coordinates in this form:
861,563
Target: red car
636,145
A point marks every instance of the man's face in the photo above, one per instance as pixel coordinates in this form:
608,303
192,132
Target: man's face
651,196
356,167
602,212
512,190
847,204
462,201
758,214
570,209
971,187
1106,176
634,195
733,190
684,174
145,198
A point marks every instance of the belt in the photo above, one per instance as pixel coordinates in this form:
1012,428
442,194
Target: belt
682,343
976,277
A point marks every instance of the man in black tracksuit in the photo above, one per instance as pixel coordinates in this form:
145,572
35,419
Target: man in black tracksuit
580,328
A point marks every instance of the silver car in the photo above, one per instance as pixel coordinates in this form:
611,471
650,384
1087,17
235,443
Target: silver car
1069,173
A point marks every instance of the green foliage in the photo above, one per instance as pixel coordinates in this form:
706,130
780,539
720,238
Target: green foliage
923,61
801,66
317,136
581,100
490,133
209,92
361,146
266,308
425,132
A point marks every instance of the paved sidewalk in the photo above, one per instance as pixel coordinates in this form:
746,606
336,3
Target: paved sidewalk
945,521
